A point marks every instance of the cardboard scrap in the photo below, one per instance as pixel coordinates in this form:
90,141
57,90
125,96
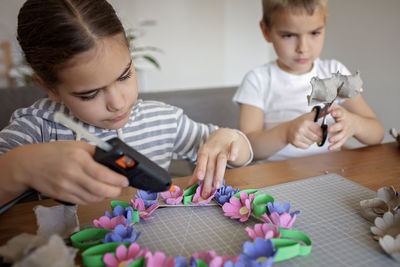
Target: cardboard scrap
61,220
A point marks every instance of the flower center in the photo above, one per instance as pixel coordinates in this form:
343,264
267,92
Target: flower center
122,264
262,259
243,210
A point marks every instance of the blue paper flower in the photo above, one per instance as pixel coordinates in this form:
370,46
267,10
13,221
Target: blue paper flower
224,193
148,198
259,253
122,234
119,211
280,209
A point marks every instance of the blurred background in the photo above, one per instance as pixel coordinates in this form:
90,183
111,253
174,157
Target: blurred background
213,43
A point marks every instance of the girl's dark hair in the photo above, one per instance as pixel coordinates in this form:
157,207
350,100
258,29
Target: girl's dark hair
51,32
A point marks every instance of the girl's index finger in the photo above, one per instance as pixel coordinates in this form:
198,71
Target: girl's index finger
233,151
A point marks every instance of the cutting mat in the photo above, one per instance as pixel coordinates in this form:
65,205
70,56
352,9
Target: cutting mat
329,206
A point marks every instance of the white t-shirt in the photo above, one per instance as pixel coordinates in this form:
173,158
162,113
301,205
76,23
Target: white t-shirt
283,97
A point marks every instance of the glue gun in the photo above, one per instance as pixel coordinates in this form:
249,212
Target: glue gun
141,172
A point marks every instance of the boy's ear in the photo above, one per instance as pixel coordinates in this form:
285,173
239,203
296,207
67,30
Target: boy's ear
52,93
265,31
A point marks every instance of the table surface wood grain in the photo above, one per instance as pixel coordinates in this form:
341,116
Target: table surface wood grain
372,167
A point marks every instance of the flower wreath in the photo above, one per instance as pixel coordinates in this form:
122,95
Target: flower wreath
112,242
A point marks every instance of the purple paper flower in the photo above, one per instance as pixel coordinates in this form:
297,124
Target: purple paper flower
144,213
124,256
263,230
149,199
172,197
109,223
122,234
197,198
224,193
239,209
259,253
158,259
275,207
119,211
284,220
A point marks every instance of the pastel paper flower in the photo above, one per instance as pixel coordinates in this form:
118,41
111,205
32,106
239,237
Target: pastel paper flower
158,259
124,256
276,207
258,253
198,200
239,209
149,199
172,197
109,223
122,234
265,231
210,258
284,220
144,213
119,211
224,193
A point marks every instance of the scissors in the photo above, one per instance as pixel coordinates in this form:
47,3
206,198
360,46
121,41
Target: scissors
324,110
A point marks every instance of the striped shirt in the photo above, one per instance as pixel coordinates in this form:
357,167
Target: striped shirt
159,131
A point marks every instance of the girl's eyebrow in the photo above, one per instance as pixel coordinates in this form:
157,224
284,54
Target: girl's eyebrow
93,90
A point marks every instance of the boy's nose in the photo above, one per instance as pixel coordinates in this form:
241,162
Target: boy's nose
115,99
302,45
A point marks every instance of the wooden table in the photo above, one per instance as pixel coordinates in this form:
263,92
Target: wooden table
372,167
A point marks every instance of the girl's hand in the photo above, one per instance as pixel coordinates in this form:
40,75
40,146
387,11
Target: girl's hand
222,146
344,127
302,132
65,170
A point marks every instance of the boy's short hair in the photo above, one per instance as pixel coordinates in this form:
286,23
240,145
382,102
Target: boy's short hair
309,6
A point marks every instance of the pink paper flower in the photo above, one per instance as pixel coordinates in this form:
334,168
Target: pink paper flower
198,200
143,212
211,258
239,209
284,220
172,197
263,230
109,223
158,259
124,256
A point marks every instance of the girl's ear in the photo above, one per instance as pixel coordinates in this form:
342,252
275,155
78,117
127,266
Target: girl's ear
52,93
265,31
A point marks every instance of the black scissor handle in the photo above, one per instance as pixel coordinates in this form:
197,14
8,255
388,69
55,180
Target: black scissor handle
318,112
324,127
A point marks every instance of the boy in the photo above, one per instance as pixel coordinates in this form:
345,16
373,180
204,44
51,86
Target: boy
273,105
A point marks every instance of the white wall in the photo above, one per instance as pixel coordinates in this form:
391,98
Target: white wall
364,35
206,43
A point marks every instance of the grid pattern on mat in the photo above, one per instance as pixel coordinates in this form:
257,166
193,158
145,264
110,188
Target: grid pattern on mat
329,206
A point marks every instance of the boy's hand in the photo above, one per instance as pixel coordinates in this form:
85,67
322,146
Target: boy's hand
344,127
303,131
66,170
222,145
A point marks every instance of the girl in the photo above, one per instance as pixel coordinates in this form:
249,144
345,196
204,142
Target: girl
80,56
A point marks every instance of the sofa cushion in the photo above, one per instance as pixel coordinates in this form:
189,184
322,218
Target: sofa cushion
17,97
